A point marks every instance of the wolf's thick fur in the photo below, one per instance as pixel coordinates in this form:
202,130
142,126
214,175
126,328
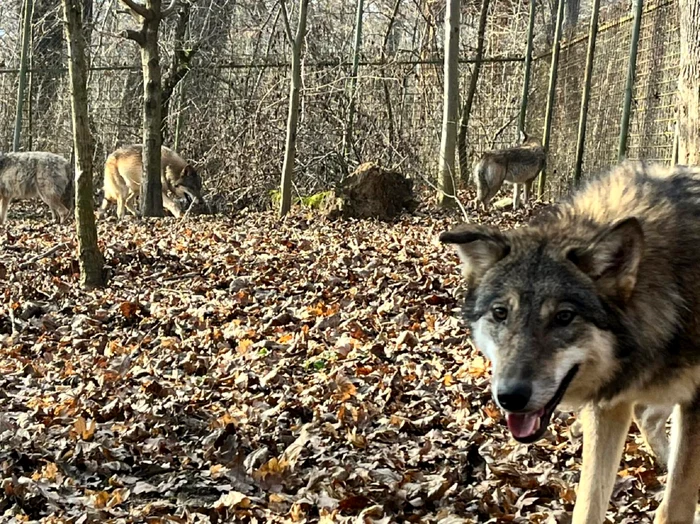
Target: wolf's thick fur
36,174
597,305
122,179
515,165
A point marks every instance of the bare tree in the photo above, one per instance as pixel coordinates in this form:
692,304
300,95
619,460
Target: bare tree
689,83
151,15
89,256
446,176
297,43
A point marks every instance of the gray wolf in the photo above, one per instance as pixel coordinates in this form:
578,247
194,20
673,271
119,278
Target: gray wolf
515,165
595,306
122,179
33,174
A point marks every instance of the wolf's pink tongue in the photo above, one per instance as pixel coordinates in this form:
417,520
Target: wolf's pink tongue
522,425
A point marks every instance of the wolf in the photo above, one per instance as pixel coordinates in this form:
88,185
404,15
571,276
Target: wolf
516,165
122,179
595,307
35,174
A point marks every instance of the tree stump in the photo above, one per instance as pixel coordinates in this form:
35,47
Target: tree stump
373,192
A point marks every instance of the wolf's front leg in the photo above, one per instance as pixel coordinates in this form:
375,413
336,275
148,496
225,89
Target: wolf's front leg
681,496
604,432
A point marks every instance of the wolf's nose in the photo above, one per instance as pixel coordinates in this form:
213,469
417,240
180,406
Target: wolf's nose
514,397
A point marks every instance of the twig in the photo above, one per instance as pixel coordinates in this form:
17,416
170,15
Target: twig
502,128
184,215
456,199
184,276
45,254
12,321
285,19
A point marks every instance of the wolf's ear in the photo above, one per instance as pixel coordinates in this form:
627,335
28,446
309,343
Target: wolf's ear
612,260
522,136
479,248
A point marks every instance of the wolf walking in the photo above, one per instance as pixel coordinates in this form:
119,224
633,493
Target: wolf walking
516,165
122,179
36,174
597,306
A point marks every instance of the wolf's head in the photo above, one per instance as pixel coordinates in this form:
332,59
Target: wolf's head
540,303
188,184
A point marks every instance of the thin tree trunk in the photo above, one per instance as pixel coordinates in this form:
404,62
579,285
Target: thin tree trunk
89,256
151,186
293,117
689,83
471,92
446,177
347,139
147,38
23,63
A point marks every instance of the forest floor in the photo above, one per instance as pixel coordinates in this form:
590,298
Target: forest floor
250,370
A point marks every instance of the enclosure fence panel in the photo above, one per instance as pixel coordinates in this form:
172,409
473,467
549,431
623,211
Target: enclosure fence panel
652,123
232,103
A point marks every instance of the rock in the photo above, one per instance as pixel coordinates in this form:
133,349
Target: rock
372,192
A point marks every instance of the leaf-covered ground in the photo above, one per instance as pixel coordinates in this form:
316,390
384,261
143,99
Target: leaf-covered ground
246,370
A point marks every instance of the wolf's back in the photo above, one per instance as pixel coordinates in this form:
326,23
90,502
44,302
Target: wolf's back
27,174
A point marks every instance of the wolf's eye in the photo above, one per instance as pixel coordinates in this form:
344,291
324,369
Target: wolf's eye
564,318
500,313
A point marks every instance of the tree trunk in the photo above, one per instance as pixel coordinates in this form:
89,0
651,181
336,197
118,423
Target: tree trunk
446,180
689,83
23,62
89,256
151,187
471,92
293,117
347,139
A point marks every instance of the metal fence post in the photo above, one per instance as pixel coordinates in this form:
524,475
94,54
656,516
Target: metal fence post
551,92
585,97
526,89
627,105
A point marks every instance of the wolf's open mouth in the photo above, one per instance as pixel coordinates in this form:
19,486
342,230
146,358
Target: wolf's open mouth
529,427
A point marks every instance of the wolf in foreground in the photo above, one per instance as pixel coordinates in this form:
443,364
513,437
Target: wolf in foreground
597,307
35,174
122,179
515,165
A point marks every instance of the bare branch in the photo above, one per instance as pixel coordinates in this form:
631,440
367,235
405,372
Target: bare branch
287,27
136,36
165,13
139,9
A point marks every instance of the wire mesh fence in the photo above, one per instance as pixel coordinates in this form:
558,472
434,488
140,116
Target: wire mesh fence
651,132
230,110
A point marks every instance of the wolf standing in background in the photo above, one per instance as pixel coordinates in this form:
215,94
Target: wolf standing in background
597,306
122,179
36,174
515,165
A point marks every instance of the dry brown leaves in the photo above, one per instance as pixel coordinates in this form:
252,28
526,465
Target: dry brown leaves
255,371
